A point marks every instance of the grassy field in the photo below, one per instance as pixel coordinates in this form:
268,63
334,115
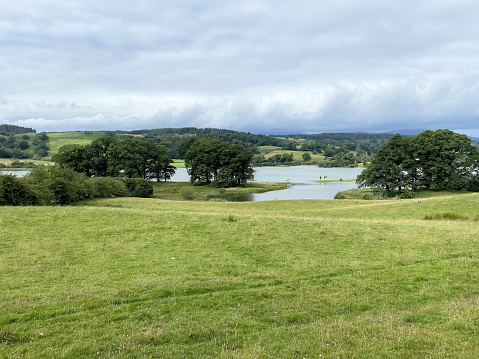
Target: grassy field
59,139
142,278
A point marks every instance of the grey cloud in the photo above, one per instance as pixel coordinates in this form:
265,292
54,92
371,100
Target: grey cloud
248,65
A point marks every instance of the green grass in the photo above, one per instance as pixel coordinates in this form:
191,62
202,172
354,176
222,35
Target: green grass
297,155
179,190
59,139
139,278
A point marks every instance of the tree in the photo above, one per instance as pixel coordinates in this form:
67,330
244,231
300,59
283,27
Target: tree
444,159
98,153
209,160
161,165
386,170
235,167
306,156
73,156
436,160
127,158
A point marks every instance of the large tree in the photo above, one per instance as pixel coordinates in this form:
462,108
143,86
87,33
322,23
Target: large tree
445,159
118,158
386,170
209,160
437,160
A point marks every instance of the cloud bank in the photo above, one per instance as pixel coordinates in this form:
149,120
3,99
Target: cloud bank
253,66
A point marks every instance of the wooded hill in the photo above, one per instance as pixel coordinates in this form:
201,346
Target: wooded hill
324,149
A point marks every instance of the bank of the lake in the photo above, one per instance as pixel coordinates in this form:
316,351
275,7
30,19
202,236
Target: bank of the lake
301,182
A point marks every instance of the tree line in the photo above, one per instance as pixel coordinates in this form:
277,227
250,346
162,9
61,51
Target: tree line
436,160
13,129
56,185
207,160
110,157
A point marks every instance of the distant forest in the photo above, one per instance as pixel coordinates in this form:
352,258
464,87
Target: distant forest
12,129
331,143
324,149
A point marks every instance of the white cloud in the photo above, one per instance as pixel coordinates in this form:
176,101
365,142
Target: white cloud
253,66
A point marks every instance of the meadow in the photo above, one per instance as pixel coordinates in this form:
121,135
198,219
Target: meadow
155,278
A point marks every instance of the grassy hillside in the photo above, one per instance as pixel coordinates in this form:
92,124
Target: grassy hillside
137,278
58,139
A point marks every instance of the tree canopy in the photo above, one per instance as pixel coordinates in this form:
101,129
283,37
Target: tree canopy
126,158
209,160
438,160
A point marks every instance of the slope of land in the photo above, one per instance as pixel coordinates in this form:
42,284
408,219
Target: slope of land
126,277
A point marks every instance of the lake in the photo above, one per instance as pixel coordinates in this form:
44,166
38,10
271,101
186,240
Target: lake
302,182
301,178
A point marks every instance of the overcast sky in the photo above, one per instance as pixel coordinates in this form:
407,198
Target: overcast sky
263,66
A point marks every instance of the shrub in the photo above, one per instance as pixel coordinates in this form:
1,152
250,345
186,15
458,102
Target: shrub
188,193
109,187
138,187
16,192
473,185
340,195
407,193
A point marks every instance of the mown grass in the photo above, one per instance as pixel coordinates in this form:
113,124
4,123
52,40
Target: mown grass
138,278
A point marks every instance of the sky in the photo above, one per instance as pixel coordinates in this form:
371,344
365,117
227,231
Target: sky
261,66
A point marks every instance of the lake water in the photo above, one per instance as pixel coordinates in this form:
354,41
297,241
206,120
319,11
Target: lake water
17,173
301,178
302,182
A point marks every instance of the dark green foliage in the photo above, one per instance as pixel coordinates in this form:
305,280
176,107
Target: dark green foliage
340,195
4,129
19,147
16,192
208,160
126,158
435,160
58,185
138,187
109,187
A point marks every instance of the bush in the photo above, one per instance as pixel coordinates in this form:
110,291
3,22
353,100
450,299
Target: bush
340,195
16,192
138,187
407,193
109,187
473,185
188,193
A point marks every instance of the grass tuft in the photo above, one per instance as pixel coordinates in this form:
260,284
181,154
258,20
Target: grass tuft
447,216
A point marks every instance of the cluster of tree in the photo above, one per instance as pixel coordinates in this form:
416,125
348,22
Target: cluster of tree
24,146
340,137
12,129
53,185
209,160
110,157
435,160
172,138
283,159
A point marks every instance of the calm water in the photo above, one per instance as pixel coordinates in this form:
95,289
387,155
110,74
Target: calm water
302,182
17,173
301,178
